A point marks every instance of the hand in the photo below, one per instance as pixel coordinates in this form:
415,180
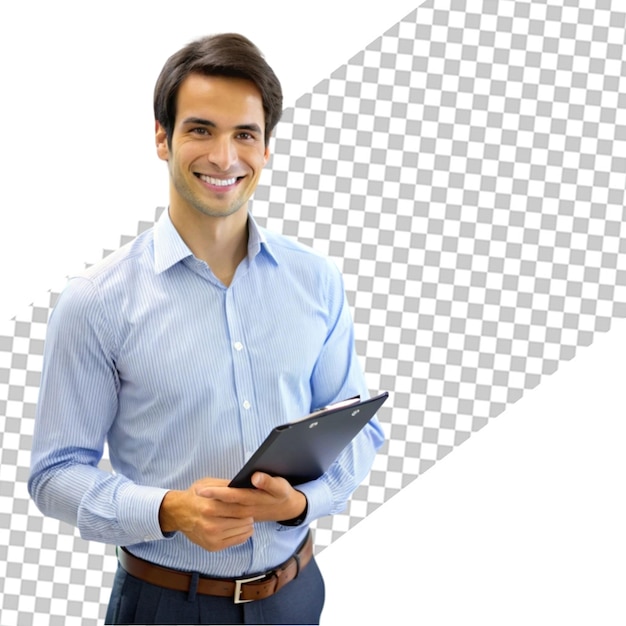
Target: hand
216,516
208,522
273,500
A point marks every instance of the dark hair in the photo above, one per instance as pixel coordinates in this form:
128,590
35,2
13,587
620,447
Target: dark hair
226,54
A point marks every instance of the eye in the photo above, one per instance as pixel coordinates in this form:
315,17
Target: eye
246,136
200,130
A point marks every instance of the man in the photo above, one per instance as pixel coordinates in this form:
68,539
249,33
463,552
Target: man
181,351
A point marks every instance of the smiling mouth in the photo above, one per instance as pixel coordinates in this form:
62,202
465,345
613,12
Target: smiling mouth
218,182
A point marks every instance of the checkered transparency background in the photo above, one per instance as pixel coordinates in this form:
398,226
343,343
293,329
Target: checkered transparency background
466,171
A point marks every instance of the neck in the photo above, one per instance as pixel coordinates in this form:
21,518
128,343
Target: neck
221,242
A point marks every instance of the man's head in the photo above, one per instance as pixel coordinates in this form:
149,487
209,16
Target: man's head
227,55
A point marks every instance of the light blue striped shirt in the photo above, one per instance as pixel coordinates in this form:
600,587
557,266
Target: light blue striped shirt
184,378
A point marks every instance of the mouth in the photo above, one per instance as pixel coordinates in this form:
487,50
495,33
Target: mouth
221,183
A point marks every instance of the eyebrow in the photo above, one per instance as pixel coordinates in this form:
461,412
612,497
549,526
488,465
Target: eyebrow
255,128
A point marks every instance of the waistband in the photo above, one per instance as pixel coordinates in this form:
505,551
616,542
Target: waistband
245,589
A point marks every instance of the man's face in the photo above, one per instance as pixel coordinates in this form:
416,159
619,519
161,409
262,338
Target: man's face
218,147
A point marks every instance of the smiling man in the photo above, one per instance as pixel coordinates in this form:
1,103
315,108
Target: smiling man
180,352
214,163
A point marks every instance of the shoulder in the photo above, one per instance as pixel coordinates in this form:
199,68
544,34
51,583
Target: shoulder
88,292
124,261
310,274
296,256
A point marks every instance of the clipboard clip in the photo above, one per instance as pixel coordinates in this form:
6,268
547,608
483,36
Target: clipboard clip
339,405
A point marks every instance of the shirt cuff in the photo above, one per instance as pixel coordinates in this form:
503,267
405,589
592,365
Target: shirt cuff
139,512
319,500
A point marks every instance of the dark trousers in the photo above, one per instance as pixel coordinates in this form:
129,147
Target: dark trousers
134,601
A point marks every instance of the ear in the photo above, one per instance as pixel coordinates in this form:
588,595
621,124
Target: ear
266,156
163,151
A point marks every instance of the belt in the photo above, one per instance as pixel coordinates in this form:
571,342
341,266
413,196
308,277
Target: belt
254,587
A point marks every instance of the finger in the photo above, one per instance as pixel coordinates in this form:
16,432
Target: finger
234,496
260,480
235,540
229,526
222,533
274,485
210,482
215,508
223,494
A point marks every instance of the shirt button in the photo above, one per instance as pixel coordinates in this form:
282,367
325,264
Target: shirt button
238,345
246,405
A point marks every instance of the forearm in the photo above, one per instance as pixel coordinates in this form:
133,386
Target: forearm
105,507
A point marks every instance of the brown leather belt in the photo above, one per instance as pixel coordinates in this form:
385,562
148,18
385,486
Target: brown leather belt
247,589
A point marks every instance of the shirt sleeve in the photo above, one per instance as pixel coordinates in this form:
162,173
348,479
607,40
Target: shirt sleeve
77,404
338,375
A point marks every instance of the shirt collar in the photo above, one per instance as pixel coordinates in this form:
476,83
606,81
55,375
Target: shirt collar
169,247
257,240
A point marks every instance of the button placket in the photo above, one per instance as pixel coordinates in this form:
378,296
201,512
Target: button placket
242,371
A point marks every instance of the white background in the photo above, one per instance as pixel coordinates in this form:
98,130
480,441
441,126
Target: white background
78,165
522,524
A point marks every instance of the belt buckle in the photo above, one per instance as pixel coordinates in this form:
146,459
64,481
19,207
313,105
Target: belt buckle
242,581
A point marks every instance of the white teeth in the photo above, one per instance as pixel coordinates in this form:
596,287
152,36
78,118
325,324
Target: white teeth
219,182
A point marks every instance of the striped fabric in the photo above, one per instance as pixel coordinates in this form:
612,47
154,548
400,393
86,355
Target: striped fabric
183,378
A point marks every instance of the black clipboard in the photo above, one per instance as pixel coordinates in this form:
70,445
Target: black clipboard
303,450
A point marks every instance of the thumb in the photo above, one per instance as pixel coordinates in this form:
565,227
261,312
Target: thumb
262,481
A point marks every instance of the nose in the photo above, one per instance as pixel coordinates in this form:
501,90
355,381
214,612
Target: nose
222,153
